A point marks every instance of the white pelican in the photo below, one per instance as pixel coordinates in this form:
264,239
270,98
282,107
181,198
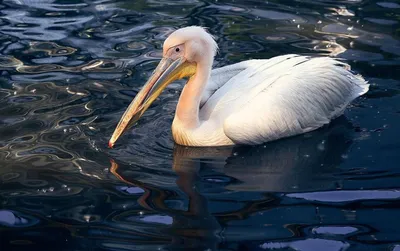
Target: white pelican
250,102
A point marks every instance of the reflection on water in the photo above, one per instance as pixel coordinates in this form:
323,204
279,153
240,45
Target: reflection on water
70,68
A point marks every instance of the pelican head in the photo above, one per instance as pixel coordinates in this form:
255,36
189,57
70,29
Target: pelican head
183,50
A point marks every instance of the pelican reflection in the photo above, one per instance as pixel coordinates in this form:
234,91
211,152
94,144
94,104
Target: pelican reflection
217,186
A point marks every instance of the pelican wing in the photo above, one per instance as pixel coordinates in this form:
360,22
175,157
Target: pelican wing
219,77
281,97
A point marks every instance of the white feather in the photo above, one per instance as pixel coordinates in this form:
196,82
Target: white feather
257,101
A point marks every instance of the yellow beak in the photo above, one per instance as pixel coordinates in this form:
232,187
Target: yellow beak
167,71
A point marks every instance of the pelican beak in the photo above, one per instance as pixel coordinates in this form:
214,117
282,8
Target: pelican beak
167,71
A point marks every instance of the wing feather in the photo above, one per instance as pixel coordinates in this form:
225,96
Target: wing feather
218,78
281,97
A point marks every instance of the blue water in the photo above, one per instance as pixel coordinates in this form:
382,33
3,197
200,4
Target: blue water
70,68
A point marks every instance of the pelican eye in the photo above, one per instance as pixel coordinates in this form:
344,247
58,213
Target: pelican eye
177,50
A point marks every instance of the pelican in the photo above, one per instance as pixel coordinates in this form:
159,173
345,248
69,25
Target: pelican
250,102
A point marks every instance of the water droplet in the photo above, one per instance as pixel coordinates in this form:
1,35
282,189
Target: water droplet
87,217
306,155
68,189
321,146
141,213
51,189
350,28
319,22
63,186
235,154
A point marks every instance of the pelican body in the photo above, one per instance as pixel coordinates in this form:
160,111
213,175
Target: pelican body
250,102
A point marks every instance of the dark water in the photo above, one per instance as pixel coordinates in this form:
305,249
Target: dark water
70,68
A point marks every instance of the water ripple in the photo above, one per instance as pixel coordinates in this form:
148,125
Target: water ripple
348,196
70,68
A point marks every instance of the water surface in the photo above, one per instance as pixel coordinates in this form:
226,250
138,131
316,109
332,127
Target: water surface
70,68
